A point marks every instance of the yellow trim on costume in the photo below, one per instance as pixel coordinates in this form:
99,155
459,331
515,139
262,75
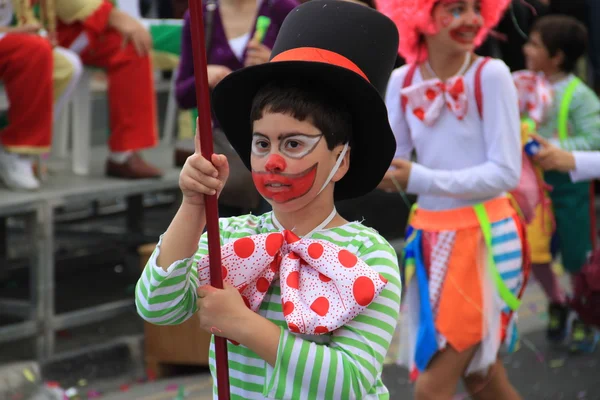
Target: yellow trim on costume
69,11
32,150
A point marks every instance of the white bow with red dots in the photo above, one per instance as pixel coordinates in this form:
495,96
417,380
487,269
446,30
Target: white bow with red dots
535,94
428,99
323,286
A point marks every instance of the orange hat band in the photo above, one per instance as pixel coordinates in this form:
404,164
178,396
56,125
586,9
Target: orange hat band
319,55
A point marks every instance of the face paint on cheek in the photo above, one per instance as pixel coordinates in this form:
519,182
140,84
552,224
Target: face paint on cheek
282,188
446,21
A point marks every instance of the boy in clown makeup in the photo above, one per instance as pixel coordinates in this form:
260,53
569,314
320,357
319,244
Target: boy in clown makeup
311,301
465,254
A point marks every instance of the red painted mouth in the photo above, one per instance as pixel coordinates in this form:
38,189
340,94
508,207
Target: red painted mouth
282,188
464,34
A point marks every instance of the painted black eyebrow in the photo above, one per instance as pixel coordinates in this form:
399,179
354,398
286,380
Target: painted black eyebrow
287,135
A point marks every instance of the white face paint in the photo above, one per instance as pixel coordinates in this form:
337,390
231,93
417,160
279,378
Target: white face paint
295,146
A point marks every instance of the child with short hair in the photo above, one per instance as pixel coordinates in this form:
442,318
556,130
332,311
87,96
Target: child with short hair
310,301
555,45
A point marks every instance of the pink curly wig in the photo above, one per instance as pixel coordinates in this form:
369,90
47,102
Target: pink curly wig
413,19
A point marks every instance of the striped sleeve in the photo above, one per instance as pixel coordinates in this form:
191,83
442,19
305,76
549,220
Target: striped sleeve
169,297
350,366
584,114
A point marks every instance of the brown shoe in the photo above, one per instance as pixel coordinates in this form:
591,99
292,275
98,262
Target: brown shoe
181,156
134,168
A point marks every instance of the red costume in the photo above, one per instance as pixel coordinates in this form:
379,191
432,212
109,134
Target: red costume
26,73
130,83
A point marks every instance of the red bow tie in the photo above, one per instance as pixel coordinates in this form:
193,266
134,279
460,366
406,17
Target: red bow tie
428,99
535,94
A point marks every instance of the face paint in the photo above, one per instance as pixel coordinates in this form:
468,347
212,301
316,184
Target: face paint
276,163
465,34
292,145
298,146
282,188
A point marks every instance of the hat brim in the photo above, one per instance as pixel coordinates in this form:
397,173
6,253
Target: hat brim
373,143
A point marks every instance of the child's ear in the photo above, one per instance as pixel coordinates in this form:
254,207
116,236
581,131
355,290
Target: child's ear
344,165
558,59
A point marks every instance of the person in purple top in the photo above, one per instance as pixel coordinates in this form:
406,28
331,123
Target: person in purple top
230,26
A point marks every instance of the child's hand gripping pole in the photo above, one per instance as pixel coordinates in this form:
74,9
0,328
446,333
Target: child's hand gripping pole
211,206
262,25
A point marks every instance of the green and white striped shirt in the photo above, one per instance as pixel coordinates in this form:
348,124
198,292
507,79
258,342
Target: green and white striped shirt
345,364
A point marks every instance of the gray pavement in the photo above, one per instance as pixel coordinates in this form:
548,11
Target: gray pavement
538,371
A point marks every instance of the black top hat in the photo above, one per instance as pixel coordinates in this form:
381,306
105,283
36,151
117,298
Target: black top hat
351,49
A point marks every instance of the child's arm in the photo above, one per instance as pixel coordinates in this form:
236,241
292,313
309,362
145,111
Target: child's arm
502,139
587,166
404,144
167,296
346,368
166,291
584,114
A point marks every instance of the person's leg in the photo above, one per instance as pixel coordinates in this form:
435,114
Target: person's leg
494,385
25,68
132,104
439,380
65,76
548,280
558,311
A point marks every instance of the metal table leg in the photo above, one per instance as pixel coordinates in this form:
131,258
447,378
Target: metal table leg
3,238
37,280
45,265
135,214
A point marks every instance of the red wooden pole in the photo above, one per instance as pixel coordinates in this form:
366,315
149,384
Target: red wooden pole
212,211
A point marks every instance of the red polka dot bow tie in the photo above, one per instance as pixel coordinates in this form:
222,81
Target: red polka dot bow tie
323,286
428,99
535,94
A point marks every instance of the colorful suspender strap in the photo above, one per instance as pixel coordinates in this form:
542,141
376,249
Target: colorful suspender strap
563,112
406,83
509,298
563,134
478,88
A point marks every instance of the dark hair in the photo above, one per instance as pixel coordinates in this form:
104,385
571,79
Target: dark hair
306,100
563,33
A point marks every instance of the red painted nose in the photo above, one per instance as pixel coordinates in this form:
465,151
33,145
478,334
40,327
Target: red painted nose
275,163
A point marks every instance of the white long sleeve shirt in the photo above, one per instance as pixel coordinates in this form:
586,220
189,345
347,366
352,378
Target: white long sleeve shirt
587,166
461,162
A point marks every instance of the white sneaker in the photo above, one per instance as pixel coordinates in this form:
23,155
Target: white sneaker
17,172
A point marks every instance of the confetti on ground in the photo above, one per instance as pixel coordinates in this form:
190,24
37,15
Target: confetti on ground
151,375
172,388
93,394
531,346
82,382
533,307
180,393
124,388
557,363
582,394
29,375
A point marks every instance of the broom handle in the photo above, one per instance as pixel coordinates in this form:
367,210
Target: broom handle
212,211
